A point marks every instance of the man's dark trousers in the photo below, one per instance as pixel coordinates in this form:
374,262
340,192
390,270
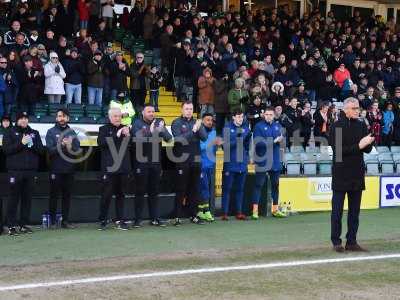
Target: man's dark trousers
113,184
60,183
147,180
187,187
21,186
354,200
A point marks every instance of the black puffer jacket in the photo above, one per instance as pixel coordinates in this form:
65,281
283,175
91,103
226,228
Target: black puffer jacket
22,157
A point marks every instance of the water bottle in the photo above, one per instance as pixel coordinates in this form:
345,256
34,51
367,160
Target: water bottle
30,142
59,220
284,208
45,221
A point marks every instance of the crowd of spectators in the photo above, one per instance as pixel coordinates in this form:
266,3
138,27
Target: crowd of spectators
301,65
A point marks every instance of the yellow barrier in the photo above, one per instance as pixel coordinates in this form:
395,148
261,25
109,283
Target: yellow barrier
315,194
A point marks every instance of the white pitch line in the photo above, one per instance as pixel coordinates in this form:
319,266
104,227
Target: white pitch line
195,271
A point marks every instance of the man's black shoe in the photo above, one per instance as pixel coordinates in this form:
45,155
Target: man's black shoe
137,224
102,225
159,223
25,229
355,248
338,248
196,220
12,231
121,225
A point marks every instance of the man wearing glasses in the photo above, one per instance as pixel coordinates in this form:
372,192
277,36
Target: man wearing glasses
349,139
138,72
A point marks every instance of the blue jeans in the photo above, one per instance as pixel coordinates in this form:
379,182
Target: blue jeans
154,98
179,83
73,92
95,95
113,94
260,181
207,187
83,24
238,180
312,95
157,57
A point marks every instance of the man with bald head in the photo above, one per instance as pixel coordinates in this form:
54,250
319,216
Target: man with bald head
349,139
148,133
114,142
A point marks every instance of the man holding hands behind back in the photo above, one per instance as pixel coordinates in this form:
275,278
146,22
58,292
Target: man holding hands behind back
349,139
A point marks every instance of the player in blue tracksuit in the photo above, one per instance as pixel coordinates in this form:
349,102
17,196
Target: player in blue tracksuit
207,175
267,139
237,137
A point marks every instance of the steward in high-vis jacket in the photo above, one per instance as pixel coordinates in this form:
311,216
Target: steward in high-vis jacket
22,146
114,142
125,105
148,132
63,145
187,133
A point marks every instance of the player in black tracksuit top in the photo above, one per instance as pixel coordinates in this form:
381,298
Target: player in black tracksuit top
62,144
148,132
23,147
187,134
114,142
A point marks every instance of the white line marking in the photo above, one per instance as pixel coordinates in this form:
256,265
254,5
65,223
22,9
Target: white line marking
195,271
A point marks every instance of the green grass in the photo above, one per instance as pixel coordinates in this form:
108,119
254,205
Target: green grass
86,243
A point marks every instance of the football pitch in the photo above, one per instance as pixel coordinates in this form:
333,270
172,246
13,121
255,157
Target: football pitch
266,259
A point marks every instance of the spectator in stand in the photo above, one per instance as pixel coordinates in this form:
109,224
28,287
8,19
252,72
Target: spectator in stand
307,123
206,92
340,75
42,54
139,81
294,115
155,83
108,12
83,11
8,89
49,19
221,105
149,19
102,34
28,79
255,111
95,79
10,36
374,117
387,126
54,79
19,45
238,97
118,73
75,72
321,125
50,42
65,19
